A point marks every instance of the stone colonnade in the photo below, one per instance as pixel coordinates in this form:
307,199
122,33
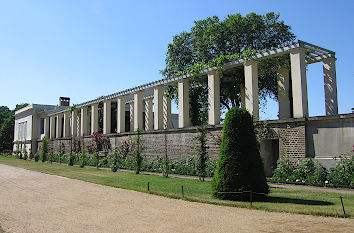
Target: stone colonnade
292,97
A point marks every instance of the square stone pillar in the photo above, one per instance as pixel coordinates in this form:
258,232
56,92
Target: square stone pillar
299,83
251,88
131,115
158,107
66,131
59,125
84,121
107,117
94,118
46,127
121,114
167,121
183,104
52,127
138,110
74,123
148,114
330,86
283,93
214,98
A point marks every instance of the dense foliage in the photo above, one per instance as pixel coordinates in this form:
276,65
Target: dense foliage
7,124
44,149
213,42
311,172
138,149
201,149
240,166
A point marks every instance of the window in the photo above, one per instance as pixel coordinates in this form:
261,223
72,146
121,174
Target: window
22,131
42,126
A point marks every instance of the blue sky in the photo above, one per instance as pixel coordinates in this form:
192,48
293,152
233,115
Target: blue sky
85,49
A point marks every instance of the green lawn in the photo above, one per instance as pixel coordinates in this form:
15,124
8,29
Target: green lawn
281,200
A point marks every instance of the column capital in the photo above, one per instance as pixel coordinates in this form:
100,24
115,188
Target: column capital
213,72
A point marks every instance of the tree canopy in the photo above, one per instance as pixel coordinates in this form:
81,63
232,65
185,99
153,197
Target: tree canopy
211,39
7,123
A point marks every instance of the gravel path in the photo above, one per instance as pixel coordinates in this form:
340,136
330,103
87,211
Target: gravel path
36,202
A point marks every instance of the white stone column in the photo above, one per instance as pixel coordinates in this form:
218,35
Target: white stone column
59,125
74,123
52,127
94,118
121,114
66,131
299,83
107,116
330,85
84,121
138,110
251,88
148,115
167,121
131,115
283,93
183,103
46,127
214,98
158,107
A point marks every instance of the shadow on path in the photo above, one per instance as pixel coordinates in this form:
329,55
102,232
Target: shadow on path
296,201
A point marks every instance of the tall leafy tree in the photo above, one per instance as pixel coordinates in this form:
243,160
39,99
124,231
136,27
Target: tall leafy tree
212,38
7,123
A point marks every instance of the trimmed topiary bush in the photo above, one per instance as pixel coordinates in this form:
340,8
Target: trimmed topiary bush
239,167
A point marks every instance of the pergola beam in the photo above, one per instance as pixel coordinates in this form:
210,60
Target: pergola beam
287,48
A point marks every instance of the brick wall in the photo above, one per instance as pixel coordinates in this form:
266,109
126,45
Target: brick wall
292,138
180,142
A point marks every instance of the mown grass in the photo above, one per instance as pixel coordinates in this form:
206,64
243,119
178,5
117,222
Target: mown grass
280,199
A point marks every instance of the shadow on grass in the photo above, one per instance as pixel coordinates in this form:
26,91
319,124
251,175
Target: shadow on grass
296,201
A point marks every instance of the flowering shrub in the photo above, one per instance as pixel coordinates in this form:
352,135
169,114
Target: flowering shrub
343,173
311,172
284,170
99,143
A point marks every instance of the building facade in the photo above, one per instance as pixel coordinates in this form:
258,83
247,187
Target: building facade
147,107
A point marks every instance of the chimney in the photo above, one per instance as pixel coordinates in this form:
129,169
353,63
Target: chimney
64,101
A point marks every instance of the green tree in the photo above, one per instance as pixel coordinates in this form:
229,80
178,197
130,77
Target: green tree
239,167
7,124
211,39
7,133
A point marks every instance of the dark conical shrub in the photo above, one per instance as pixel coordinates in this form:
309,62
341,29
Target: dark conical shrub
240,167
44,149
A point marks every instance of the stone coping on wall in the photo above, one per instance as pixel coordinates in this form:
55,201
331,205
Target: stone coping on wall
314,118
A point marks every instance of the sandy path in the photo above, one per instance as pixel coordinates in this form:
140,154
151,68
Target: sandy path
36,202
